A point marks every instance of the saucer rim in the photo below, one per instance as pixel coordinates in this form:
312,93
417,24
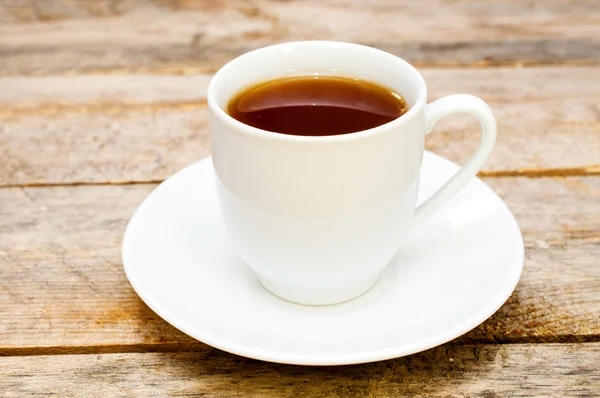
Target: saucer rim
366,356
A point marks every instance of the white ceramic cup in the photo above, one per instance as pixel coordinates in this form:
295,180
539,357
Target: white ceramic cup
318,218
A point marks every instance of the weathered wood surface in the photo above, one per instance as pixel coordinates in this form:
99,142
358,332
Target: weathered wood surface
62,285
103,128
103,92
487,371
41,36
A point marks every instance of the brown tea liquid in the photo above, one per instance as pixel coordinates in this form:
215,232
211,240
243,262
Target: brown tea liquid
316,105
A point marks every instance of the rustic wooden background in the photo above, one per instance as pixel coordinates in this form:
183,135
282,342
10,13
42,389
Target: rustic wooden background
101,100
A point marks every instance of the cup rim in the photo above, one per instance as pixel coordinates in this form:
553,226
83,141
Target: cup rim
255,132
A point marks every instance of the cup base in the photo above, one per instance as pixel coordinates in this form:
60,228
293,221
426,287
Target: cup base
318,295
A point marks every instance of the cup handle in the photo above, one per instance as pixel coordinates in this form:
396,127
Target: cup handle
463,104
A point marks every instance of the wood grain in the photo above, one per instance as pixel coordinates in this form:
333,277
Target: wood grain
62,283
487,371
60,36
101,99
104,128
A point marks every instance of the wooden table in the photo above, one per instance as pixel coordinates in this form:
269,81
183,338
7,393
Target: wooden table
101,100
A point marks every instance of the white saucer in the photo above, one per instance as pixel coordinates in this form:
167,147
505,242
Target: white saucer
455,271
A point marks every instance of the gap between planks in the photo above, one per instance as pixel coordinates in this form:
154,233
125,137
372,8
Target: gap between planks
196,70
580,171
7,112
199,346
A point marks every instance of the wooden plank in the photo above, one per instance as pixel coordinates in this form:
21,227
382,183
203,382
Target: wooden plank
62,286
487,371
30,93
104,128
57,36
